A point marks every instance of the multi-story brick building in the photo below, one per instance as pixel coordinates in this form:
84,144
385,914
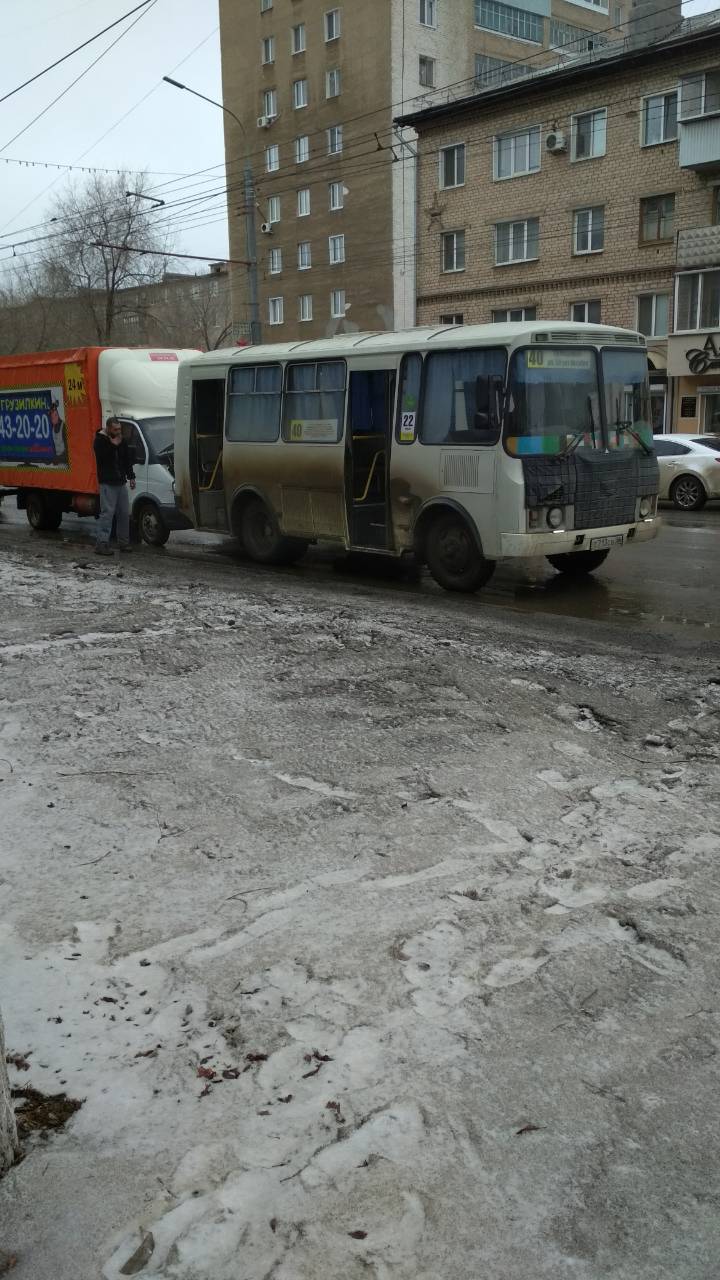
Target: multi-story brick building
315,85
561,196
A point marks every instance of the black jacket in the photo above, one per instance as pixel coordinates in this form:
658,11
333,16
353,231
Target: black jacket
114,461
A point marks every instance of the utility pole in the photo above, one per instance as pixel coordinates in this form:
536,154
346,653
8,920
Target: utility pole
249,197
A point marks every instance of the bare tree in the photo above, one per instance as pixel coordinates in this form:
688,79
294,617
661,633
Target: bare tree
9,1149
93,257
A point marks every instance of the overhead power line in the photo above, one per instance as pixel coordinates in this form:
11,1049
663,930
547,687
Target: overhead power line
72,52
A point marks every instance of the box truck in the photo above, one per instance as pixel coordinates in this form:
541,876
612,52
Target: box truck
51,405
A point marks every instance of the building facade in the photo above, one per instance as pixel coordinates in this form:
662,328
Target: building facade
315,86
568,195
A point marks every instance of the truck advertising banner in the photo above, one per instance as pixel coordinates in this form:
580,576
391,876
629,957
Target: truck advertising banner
33,430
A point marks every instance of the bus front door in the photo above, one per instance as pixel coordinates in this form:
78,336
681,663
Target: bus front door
206,448
370,415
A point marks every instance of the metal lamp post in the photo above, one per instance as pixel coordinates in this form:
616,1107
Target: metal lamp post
249,189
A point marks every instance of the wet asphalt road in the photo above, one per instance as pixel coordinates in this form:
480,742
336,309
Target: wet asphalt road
672,583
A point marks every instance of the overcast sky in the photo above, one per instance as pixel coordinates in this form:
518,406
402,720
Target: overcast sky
119,115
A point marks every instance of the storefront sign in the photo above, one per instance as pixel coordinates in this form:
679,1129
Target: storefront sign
702,359
688,407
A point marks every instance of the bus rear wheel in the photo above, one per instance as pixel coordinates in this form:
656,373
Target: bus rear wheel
578,563
453,557
42,512
263,541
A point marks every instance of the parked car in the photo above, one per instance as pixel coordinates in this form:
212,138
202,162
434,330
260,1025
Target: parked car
689,469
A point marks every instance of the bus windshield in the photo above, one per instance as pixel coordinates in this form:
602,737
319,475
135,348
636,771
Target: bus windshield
554,402
627,400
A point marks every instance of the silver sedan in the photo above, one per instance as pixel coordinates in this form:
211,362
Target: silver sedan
689,469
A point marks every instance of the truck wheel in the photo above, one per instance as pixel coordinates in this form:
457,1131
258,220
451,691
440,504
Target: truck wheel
577,563
453,557
150,524
42,512
262,539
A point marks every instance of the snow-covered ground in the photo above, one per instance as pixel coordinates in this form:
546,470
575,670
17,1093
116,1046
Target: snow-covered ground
378,935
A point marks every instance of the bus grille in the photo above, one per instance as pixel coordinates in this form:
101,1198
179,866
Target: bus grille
602,487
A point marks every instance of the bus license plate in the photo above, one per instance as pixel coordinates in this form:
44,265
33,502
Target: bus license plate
601,544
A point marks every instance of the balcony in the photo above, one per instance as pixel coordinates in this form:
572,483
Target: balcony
698,247
700,144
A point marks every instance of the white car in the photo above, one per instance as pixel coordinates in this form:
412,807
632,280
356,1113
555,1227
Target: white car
689,469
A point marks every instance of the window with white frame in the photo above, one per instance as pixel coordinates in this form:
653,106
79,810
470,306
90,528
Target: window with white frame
305,306
265,5
653,314
585,312
276,308
452,166
517,153
303,202
589,229
332,25
335,140
697,301
427,13
492,72
657,218
272,158
337,304
275,262
304,256
332,83
268,50
336,193
336,246
300,93
274,209
270,103
512,315
659,118
453,251
700,94
572,39
426,71
297,38
517,241
588,134
491,15
452,317
302,149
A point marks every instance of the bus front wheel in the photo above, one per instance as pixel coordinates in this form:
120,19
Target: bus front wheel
578,563
453,557
263,541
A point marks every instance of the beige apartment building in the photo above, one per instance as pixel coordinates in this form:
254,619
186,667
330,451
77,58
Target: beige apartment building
570,196
316,86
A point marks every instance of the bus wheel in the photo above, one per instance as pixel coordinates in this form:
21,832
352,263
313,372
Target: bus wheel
577,563
262,539
150,524
41,512
453,557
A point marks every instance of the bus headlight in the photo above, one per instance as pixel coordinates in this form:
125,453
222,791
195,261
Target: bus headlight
555,517
646,507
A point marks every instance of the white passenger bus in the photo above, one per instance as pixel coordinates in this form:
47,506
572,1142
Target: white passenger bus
458,445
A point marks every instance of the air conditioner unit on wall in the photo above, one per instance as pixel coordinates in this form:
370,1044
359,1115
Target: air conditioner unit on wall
264,122
556,143
266,228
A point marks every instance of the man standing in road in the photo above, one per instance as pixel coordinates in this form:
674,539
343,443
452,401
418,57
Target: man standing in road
114,469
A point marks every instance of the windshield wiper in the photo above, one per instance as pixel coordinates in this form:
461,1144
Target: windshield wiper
620,427
169,448
573,444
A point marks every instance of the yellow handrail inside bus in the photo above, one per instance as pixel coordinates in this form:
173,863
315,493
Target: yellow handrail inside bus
380,454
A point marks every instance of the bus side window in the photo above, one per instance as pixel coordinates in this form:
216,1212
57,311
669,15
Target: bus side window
461,399
254,393
408,411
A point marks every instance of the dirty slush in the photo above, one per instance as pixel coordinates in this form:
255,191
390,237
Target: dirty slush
370,936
